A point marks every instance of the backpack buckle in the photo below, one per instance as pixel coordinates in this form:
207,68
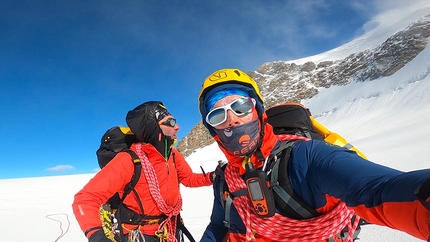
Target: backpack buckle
269,163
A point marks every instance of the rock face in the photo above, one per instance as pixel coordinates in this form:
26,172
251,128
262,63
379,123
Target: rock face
197,138
282,81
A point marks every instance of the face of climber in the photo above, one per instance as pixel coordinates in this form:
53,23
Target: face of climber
232,111
169,127
235,122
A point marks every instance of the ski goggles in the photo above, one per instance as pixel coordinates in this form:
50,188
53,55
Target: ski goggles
170,122
239,107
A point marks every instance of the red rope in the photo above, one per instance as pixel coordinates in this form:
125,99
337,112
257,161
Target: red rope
49,216
154,189
280,228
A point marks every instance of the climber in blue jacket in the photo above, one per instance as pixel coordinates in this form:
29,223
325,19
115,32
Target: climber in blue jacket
334,189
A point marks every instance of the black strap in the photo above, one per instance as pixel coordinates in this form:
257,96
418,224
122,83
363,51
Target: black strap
294,204
259,154
134,179
136,174
228,203
130,187
184,230
285,197
93,228
423,193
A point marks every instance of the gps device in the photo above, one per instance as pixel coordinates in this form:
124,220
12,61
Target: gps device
259,191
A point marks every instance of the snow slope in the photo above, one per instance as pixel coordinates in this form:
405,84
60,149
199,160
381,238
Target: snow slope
376,32
387,119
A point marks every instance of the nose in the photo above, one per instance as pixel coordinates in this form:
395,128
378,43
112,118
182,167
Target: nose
232,119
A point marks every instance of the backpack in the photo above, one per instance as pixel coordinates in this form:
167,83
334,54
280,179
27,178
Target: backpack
114,140
294,118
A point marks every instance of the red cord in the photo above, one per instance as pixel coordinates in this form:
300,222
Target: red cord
154,188
49,216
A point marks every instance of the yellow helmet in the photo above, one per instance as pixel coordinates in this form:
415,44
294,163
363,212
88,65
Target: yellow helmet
228,76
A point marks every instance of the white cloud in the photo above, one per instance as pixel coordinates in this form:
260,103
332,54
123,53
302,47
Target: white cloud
61,168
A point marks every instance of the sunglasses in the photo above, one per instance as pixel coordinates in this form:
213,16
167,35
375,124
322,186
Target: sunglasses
170,122
239,107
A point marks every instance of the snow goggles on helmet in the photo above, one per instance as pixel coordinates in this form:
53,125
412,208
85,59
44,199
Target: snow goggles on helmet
239,107
170,122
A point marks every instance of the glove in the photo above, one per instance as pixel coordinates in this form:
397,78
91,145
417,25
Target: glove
98,236
218,170
212,176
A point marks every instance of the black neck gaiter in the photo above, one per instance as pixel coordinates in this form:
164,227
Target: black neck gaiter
240,140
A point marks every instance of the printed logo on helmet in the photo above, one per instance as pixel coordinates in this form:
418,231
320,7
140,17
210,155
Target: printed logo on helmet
218,76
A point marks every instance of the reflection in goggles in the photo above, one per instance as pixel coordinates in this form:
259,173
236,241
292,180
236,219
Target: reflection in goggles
171,122
239,107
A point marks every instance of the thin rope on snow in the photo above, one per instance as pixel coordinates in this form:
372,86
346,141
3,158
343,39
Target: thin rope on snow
63,232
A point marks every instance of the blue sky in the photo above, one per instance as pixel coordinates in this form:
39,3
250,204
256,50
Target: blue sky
69,70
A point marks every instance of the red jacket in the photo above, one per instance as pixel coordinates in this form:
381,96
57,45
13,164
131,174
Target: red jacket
118,172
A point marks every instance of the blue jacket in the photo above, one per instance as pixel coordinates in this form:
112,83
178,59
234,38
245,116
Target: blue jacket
323,174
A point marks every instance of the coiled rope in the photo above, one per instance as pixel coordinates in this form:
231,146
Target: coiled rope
154,189
280,228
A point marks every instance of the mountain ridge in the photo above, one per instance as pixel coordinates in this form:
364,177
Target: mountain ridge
286,81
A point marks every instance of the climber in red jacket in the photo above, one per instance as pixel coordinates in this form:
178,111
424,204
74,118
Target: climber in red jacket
163,169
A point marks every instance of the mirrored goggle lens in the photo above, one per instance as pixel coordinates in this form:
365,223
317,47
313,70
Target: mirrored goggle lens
170,122
242,106
239,107
216,116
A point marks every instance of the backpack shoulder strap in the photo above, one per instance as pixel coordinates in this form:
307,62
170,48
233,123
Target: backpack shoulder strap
129,188
285,197
136,174
225,196
184,230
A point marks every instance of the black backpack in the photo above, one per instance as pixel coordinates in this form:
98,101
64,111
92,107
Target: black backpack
292,118
114,140
296,119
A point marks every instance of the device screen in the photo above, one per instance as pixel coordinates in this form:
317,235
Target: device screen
255,189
